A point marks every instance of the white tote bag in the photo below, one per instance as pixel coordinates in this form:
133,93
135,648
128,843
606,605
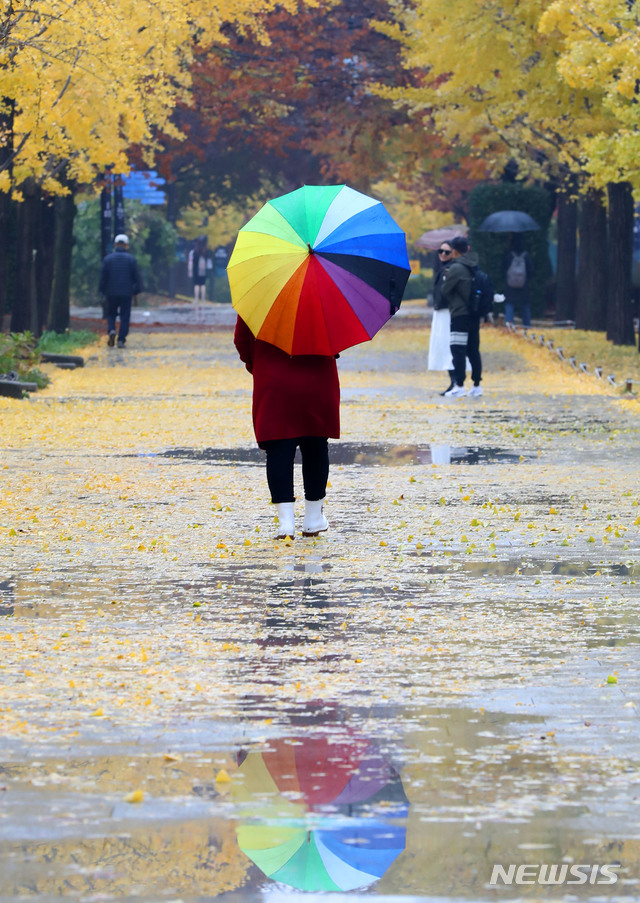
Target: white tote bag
439,348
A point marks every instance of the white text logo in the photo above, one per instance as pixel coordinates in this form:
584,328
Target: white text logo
556,873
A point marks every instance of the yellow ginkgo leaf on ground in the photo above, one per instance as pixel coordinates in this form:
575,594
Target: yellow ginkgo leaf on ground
223,777
136,796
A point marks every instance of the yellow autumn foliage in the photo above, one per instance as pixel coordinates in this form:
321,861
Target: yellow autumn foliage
550,84
601,48
83,81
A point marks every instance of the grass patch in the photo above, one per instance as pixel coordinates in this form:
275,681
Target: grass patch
20,352
18,359
66,342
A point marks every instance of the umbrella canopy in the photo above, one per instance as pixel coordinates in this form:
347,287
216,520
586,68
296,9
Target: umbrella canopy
314,852
318,270
509,221
318,860
433,239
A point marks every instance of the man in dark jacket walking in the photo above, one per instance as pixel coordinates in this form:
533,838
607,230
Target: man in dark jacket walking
456,292
119,281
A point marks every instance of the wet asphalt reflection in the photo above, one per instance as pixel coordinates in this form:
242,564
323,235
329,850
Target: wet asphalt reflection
346,453
447,681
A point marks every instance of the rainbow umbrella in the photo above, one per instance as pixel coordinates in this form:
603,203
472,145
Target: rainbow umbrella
292,841
318,270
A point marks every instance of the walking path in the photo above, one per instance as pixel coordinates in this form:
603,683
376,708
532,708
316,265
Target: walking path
183,314
464,638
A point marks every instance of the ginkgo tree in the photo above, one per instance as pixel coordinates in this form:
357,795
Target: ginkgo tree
600,52
492,79
599,55
81,81
499,74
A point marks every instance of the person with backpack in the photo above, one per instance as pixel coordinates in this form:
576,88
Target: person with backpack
468,293
517,275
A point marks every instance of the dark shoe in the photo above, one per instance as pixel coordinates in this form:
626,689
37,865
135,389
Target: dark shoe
112,339
121,343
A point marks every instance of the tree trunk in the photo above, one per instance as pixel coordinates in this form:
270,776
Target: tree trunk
119,221
620,256
25,307
65,212
172,217
5,251
46,252
567,252
6,230
591,297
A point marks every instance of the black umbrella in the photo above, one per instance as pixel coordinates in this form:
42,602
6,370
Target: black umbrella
509,221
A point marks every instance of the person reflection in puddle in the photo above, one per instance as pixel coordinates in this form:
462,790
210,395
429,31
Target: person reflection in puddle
296,404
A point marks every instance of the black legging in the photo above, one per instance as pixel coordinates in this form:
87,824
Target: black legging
315,467
465,343
473,350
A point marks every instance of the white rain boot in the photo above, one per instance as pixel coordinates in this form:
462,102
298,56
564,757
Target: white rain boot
286,520
314,520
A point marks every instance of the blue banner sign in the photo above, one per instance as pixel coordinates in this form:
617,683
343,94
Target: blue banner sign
144,187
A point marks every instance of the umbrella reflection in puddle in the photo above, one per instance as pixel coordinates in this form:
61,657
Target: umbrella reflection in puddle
322,815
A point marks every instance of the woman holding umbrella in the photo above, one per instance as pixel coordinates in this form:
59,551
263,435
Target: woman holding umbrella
296,404
314,272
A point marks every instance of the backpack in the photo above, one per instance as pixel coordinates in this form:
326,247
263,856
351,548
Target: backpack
481,297
517,271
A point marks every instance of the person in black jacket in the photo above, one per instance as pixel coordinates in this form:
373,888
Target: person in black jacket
456,293
439,344
119,282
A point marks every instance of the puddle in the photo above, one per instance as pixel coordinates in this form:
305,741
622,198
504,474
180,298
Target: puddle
345,453
511,566
320,815
336,802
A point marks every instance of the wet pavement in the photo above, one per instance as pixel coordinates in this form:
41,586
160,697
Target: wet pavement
210,314
445,682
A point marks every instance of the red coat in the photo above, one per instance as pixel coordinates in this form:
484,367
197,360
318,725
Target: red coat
292,396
